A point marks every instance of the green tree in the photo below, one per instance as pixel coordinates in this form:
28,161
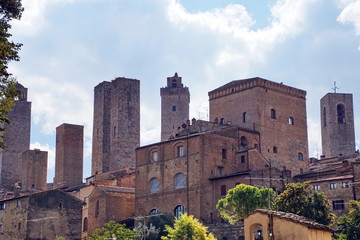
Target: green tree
242,200
9,10
299,198
187,228
160,221
111,230
349,224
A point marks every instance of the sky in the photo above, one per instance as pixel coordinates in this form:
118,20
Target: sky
70,46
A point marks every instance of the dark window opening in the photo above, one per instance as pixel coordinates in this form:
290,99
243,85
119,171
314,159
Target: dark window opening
174,83
291,121
244,117
324,116
223,153
85,225
223,190
340,113
174,108
243,141
97,207
273,113
222,121
338,205
275,150
300,156
242,159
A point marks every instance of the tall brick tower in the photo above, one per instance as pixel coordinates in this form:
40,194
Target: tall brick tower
276,111
17,140
116,127
69,155
34,165
175,99
337,124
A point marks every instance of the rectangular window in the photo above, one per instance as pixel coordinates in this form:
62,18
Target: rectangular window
223,190
338,204
273,113
18,203
2,206
332,185
180,151
317,187
345,185
155,156
291,121
244,117
174,108
223,153
242,159
275,150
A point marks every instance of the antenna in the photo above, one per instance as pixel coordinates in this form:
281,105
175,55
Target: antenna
335,87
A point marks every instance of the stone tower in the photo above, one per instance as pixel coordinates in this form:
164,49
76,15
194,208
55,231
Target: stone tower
175,99
17,140
276,111
69,155
34,164
116,127
337,124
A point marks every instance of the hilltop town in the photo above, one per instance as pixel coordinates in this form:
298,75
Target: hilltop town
256,135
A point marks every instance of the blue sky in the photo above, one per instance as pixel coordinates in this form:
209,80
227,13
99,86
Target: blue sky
70,46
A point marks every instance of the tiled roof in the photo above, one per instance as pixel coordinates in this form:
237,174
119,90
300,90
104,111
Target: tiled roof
294,218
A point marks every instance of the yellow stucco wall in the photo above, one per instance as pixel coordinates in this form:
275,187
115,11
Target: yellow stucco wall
282,229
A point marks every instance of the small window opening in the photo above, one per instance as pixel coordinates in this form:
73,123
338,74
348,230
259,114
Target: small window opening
223,190
273,113
300,156
324,116
341,113
244,117
275,150
242,159
180,151
174,83
291,121
174,108
223,153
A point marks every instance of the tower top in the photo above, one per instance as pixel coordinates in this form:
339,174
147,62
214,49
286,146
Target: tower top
174,82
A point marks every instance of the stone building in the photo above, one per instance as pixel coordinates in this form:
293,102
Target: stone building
337,125
34,166
193,171
276,111
116,127
175,99
42,215
264,224
17,140
69,155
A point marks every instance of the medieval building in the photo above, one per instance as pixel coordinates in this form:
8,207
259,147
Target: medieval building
116,126
17,140
34,167
175,99
69,155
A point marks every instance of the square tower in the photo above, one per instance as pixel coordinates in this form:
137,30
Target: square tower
175,99
276,111
69,155
116,127
337,124
34,164
17,140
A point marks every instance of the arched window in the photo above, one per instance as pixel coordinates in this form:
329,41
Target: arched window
154,156
85,225
179,210
154,185
154,211
273,113
340,113
243,141
324,116
244,117
179,180
216,120
300,156
222,121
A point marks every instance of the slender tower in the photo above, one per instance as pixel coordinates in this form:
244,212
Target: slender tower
116,128
337,125
175,99
34,164
17,140
69,155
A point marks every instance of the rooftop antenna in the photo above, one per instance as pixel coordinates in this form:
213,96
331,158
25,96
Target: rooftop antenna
335,87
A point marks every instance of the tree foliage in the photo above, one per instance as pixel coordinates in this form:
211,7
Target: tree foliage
349,224
187,228
160,221
111,230
9,10
299,198
242,200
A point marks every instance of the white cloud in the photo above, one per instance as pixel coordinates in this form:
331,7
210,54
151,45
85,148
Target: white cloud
351,14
